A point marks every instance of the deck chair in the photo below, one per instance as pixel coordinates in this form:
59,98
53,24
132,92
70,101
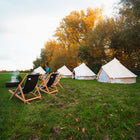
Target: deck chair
48,85
41,76
57,81
44,76
29,87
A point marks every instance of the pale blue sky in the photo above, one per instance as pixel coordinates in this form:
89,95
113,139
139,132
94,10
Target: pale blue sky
25,26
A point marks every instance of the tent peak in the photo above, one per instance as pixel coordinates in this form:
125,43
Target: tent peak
115,59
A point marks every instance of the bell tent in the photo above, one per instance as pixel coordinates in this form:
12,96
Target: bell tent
83,72
65,72
115,72
39,70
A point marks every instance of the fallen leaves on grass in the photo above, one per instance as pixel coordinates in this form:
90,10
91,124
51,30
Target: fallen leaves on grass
62,127
18,134
35,137
72,90
83,130
72,126
70,138
75,100
111,115
62,96
137,124
106,104
77,120
56,131
106,137
60,104
122,135
105,124
96,128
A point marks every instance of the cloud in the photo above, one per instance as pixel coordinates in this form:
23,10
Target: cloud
24,38
27,24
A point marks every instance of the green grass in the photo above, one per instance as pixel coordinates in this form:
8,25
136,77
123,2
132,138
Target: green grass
84,109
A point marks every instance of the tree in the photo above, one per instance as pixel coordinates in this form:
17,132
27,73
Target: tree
96,52
58,60
47,53
130,8
86,37
44,57
65,57
74,27
36,63
73,32
127,39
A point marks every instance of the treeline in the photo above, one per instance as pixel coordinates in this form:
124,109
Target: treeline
20,71
89,37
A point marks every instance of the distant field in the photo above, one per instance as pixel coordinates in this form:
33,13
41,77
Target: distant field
83,110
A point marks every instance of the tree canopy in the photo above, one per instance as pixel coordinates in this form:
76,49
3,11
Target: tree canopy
89,37
75,27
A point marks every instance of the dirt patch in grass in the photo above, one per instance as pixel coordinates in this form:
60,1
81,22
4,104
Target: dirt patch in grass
56,131
72,90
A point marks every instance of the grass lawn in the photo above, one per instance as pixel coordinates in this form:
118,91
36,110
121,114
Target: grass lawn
83,110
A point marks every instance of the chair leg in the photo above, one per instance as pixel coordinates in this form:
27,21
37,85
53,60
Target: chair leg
12,94
59,85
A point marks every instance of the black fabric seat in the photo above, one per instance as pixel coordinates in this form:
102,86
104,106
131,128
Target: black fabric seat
30,86
51,80
48,85
31,82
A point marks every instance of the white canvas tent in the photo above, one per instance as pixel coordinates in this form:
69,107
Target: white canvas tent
115,72
39,70
83,72
65,72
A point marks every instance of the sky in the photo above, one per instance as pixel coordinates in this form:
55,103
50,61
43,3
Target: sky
25,26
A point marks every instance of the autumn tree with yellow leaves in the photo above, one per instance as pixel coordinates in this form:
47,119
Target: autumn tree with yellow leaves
71,33
84,36
74,28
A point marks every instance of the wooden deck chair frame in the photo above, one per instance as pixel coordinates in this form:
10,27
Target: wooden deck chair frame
57,80
22,94
51,89
44,76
